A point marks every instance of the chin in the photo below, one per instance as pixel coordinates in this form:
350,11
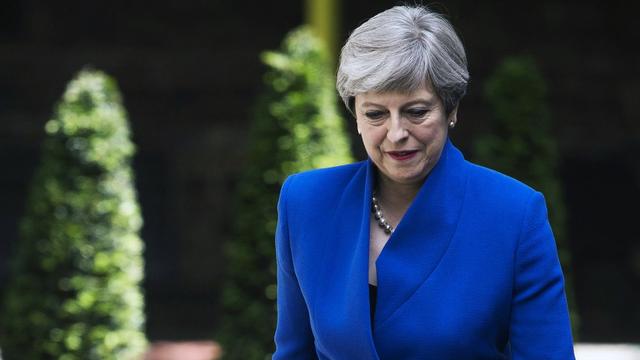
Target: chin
407,179
409,175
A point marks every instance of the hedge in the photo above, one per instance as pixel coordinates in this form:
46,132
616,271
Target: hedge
74,290
296,126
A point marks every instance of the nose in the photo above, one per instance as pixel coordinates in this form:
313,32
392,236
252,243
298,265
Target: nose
396,131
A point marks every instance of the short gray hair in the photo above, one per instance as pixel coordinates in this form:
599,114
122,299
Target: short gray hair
401,49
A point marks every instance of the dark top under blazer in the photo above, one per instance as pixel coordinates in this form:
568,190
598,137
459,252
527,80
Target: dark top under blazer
471,271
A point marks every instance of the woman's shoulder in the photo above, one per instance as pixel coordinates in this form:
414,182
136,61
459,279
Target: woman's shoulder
505,197
321,188
497,185
324,178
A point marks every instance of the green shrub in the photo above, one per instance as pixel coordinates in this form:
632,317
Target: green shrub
296,127
74,290
521,142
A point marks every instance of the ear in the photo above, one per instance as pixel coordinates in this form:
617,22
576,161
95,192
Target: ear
452,119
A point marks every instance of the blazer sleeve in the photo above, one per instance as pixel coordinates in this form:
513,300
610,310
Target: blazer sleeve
540,326
293,336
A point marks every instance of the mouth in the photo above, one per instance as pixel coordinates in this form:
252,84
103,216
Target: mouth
402,155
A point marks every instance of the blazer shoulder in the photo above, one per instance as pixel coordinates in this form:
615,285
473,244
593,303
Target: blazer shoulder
505,201
499,191
321,181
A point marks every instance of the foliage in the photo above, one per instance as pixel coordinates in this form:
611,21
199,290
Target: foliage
521,142
296,127
74,289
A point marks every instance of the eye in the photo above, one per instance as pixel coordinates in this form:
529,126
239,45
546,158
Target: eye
375,115
417,112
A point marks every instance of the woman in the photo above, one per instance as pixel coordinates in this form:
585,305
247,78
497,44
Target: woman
414,253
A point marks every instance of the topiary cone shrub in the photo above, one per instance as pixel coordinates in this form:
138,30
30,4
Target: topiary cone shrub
521,143
296,126
74,290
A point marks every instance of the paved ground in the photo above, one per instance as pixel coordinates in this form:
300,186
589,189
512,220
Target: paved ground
208,350
607,352
211,351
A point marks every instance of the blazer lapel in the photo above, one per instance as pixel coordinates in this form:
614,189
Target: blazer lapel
422,236
343,284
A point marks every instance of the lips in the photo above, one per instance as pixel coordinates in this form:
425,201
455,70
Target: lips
402,155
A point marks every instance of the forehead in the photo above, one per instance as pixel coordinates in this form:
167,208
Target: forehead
396,97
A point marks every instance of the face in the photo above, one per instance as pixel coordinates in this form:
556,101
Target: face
403,133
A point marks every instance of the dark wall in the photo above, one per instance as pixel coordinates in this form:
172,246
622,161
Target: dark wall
189,72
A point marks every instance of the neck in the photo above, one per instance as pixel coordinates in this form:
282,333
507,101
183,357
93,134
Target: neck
395,198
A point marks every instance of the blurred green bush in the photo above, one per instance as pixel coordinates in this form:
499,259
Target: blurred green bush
74,290
521,144
296,126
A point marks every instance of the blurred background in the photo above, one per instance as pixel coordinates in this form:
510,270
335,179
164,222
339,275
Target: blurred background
190,71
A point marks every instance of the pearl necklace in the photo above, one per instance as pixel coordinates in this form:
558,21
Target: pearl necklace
377,213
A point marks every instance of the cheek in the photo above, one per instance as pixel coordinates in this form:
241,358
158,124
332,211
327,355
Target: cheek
432,135
372,138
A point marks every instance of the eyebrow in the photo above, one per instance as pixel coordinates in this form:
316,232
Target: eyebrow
413,102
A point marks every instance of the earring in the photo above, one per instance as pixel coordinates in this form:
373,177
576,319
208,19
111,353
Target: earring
452,124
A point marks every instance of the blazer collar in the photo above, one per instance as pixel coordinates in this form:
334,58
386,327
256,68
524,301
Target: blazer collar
422,236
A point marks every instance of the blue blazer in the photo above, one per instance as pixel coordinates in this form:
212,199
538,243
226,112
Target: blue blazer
471,271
